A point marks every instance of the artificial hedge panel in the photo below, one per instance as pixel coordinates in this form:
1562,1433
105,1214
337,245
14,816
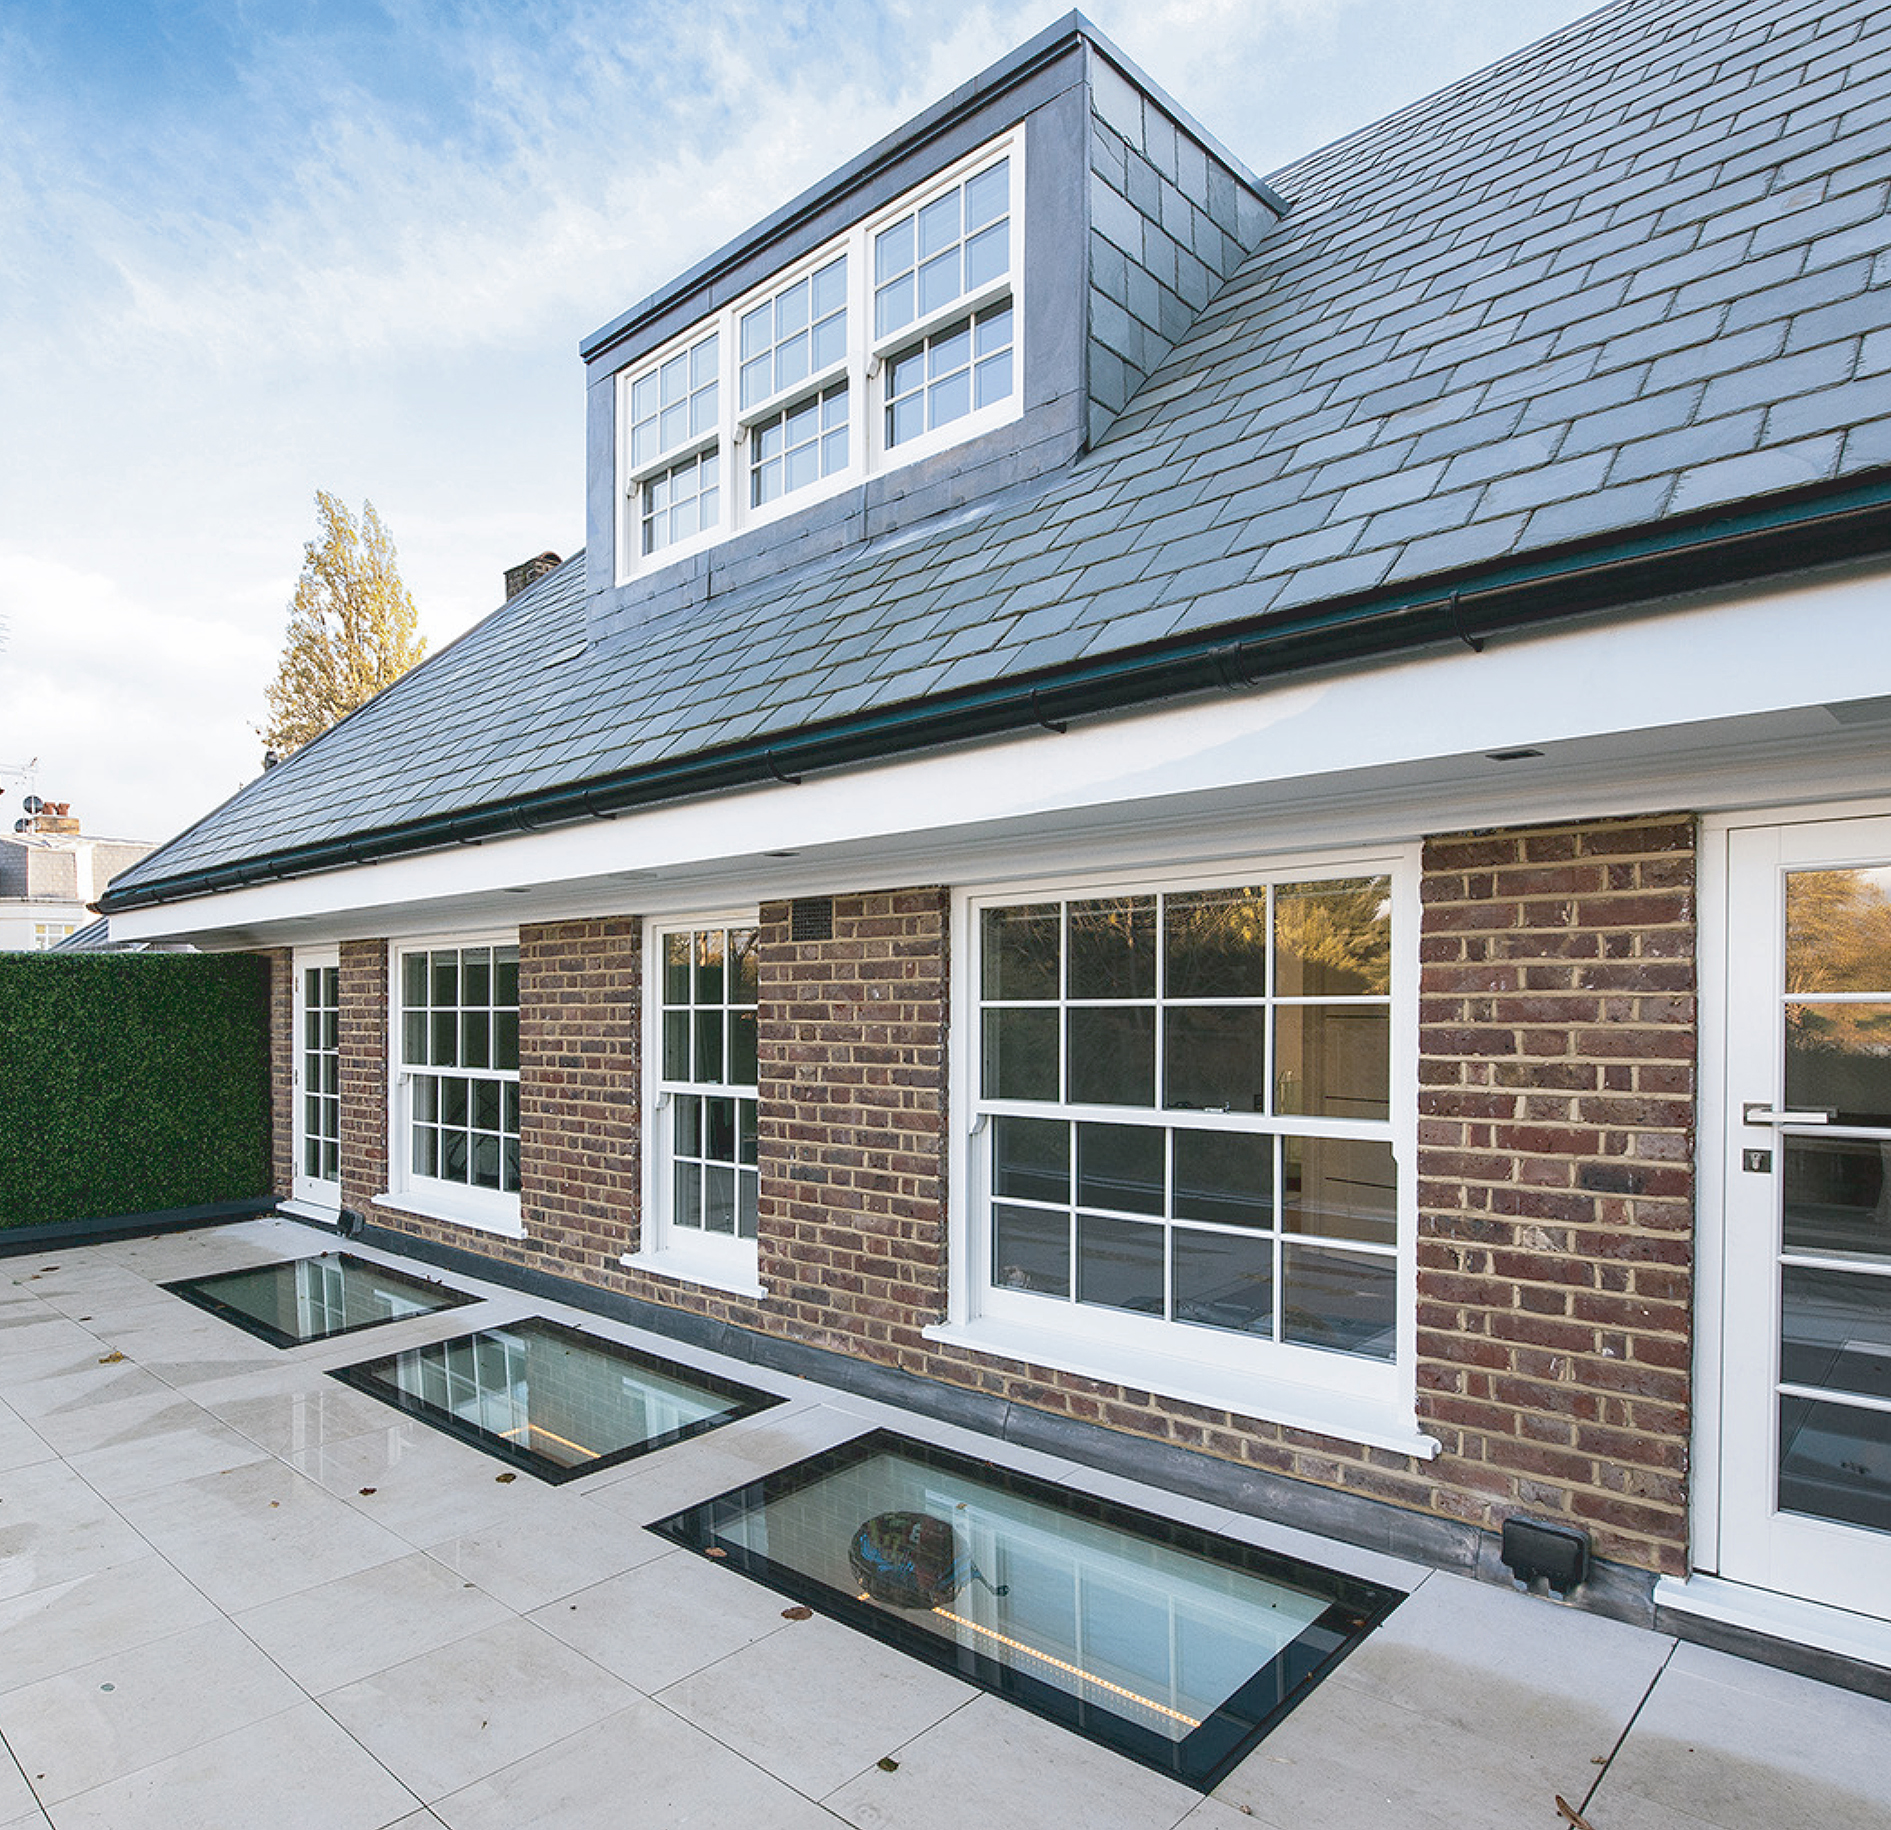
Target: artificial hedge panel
131,1083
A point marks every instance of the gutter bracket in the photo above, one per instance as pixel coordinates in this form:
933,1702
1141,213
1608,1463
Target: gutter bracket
775,769
1050,724
1475,643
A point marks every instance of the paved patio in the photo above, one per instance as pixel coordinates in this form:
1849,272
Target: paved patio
234,1592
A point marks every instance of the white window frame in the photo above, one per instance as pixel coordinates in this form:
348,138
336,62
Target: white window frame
863,371
686,1254
1332,1393
488,1210
314,1195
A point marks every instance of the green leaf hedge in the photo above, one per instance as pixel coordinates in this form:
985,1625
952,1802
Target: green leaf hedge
131,1083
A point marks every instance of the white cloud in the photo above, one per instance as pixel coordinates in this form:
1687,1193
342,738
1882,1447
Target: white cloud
122,699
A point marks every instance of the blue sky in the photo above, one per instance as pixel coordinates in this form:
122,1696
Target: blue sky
253,248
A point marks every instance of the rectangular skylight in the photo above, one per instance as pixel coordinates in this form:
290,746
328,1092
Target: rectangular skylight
553,1400
310,1299
1172,1645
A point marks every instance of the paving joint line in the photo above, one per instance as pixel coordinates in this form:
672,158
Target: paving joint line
1628,1728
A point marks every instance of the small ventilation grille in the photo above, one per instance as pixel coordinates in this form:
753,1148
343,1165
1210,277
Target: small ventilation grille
811,918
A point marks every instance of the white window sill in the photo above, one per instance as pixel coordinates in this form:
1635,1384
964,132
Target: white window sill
321,1212
682,1268
1782,1617
1345,1416
457,1213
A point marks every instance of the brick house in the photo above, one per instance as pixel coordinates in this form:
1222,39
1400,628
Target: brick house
1241,828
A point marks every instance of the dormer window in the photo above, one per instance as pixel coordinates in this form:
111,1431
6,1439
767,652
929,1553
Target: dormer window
953,245
894,340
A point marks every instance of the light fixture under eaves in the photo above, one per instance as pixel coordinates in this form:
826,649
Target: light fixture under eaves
1510,755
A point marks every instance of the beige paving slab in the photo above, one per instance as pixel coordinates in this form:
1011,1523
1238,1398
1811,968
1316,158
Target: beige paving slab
417,1481
114,1421
553,1546
17,1803
656,1624
453,1716
1727,1743
1346,1758
990,1764
53,1527
1471,1656
816,1705
339,1632
642,1766
48,1630
294,1771
20,1444
100,1721
53,1365
314,1411
258,1532
174,1443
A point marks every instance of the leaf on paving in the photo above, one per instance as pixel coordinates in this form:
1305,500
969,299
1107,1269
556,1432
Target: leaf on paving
110,1359
888,1764
797,1613
503,1478
715,1550
365,1491
1569,1811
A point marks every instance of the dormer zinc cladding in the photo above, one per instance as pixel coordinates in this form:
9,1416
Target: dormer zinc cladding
1131,211
1635,271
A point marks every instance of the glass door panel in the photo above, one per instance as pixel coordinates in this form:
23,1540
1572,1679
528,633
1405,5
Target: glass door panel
1807,1423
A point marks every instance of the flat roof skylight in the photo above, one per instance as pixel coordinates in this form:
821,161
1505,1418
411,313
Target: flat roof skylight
1170,1644
551,1399
311,1299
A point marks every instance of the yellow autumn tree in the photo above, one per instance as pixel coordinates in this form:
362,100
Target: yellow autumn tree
351,627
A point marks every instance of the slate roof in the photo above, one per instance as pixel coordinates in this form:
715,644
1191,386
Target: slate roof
1637,270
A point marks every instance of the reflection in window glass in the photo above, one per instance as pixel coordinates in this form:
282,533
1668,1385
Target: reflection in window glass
800,332
675,403
711,984
1202,1199
1838,1060
948,374
800,445
460,1012
951,246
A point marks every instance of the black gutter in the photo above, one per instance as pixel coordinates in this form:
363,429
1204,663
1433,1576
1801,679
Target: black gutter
1822,525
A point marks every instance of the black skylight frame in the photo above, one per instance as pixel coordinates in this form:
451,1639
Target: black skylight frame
742,1400
1202,1759
201,1292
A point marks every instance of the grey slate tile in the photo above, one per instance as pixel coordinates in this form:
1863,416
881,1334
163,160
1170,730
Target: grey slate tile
1544,306
1756,473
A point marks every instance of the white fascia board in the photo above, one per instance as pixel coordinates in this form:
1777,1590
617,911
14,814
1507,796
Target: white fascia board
1711,704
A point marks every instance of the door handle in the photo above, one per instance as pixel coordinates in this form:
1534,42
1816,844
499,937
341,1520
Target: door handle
1758,1112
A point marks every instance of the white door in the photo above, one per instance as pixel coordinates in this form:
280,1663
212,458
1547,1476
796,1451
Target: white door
1806,1455
318,1079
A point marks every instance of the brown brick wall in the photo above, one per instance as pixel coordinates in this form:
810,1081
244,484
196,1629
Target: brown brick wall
852,1124
579,1067
579,1078
282,1045
1556,1188
364,992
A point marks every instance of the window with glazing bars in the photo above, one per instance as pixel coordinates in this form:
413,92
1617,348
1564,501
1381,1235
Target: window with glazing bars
711,986
321,1073
1188,1108
460,1051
